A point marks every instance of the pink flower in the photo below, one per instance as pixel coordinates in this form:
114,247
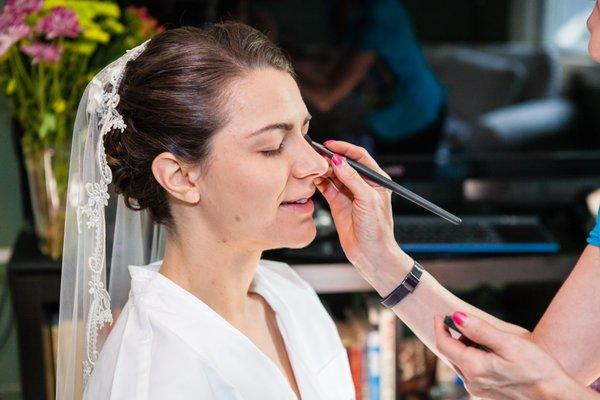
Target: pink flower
10,17
61,21
38,51
25,6
12,28
12,35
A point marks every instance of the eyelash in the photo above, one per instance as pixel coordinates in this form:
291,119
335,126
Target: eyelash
277,151
271,153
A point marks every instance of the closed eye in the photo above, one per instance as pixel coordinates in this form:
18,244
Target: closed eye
271,153
274,152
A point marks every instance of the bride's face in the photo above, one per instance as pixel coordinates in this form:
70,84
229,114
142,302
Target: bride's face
254,169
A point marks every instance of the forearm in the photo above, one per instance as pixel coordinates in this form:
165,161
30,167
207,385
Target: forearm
569,328
430,298
351,76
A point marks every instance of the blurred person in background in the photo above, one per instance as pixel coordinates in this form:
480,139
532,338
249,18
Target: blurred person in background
403,102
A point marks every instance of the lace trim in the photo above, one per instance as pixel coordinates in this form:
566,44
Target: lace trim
106,100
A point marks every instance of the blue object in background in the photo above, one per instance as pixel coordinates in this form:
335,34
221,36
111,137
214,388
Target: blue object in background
478,248
385,28
594,237
373,372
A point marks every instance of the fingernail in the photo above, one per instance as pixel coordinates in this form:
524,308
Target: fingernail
328,141
459,318
337,159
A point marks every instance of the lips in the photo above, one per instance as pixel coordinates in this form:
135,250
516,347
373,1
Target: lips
299,199
299,208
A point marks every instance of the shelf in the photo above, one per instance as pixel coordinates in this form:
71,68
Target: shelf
459,273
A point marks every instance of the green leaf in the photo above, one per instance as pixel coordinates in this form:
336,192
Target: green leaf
48,125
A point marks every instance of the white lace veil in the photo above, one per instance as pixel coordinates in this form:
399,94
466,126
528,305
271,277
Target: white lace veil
87,309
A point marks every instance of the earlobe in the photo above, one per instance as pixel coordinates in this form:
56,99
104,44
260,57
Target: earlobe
192,196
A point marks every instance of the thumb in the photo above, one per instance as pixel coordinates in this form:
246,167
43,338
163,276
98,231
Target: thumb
481,332
350,178
327,189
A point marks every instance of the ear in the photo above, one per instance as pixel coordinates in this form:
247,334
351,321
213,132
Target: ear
180,180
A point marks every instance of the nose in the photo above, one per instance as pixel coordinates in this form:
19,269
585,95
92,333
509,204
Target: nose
590,20
309,163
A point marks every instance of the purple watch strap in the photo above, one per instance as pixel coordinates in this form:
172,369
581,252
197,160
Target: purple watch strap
407,286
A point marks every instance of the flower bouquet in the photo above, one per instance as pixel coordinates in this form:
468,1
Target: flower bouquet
49,51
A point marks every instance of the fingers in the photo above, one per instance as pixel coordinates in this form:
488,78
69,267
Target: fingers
330,189
453,349
326,188
357,153
350,178
342,183
481,332
468,361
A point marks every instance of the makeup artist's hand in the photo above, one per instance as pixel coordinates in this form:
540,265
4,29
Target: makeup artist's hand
515,368
362,213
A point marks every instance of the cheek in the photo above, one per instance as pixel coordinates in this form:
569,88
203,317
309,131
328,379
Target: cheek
255,191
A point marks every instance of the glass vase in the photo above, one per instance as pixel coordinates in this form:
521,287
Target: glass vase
47,174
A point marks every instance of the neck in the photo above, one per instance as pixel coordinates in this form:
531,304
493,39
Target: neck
214,270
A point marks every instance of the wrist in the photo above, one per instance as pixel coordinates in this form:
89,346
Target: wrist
562,389
387,270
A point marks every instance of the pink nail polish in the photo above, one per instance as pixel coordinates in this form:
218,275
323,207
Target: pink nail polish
459,318
327,141
337,160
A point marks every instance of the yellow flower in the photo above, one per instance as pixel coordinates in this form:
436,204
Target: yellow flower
108,9
11,86
83,47
113,26
96,34
59,106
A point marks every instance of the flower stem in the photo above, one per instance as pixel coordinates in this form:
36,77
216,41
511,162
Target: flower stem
20,68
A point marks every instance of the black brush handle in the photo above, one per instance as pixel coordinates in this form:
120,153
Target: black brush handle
390,184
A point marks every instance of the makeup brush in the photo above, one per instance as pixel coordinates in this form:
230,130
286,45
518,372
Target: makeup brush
390,184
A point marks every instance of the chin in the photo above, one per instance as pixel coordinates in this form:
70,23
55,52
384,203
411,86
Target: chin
302,237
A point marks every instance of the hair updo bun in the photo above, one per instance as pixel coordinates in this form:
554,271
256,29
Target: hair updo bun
173,98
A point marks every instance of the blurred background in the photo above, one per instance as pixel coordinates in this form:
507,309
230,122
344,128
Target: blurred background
489,108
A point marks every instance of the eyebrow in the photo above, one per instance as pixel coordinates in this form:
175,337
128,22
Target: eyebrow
285,126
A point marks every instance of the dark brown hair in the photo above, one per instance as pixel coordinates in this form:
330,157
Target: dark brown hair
174,97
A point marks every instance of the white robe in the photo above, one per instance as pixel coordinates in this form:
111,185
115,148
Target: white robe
168,344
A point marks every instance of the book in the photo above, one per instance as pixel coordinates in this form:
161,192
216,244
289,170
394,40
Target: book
387,357
370,336
373,371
